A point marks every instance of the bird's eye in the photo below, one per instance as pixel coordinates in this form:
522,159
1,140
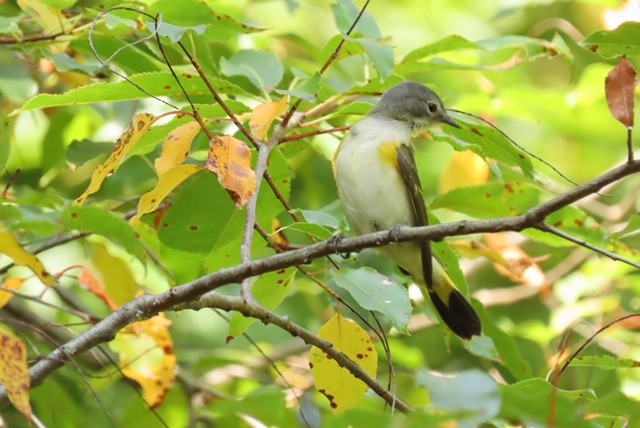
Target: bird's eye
433,107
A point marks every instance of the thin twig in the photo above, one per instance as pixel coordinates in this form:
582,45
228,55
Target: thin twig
303,135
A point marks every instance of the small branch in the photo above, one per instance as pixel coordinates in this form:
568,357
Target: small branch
629,145
303,135
564,235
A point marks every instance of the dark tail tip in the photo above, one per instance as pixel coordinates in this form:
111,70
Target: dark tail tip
458,314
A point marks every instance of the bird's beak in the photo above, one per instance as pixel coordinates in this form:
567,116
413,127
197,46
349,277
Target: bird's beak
449,121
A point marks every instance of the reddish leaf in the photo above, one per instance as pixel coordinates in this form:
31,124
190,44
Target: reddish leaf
230,159
88,281
14,372
619,86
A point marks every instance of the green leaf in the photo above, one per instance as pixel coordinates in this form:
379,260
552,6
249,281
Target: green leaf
483,347
345,13
263,69
6,129
376,292
473,394
307,89
103,222
485,141
175,32
156,83
605,362
269,289
529,402
311,229
621,41
449,43
490,200
381,55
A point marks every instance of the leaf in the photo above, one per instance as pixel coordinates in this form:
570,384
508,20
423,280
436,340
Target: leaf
619,87
263,115
10,246
605,362
176,147
175,32
10,284
514,263
465,169
88,281
230,159
378,293
165,185
147,356
473,393
105,223
269,290
140,124
621,41
345,13
343,390
449,43
14,371
381,55
155,83
118,281
263,69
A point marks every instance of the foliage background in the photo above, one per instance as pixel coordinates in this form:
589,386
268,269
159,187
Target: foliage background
551,102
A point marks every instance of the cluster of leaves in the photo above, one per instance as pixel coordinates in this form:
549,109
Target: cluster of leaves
128,148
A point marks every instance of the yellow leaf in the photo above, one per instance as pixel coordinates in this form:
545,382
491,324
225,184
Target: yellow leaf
176,146
343,390
166,183
14,372
10,246
117,278
128,139
230,159
263,115
10,284
146,356
465,169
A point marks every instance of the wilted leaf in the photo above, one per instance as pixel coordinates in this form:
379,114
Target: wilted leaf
263,115
140,125
166,183
147,356
14,372
343,390
10,246
90,282
619,87
516,264
176,146
230,159
10,284
465,169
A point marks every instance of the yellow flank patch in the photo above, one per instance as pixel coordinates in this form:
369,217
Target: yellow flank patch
388,153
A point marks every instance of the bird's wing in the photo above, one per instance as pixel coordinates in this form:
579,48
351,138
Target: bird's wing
409,173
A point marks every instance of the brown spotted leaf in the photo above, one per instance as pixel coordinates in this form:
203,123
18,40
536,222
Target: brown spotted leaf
10,284
230,159
10,246
14,372
141,123
619,87
343,390
176,146
147,356
263,115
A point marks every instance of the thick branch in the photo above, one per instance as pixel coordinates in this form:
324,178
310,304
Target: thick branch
145,307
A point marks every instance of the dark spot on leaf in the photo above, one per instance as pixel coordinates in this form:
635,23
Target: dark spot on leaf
229,339
369,349
558,223
153,200
475,131
279,281
594,48
578,222
167,87
137,235
334,405
520,155
509,187
165,224
310,365
359,356
74,215
193,227
280,271
140,124
488,195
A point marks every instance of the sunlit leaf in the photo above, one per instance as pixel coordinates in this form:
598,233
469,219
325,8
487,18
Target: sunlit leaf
465,169
620,41
117,279
263,69
140,124
230,159
343,390
147,356
167,182
13,283
605,362
345,13
14,371
176,146
263,115
10,246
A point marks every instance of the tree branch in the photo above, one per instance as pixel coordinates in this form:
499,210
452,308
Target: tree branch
147,306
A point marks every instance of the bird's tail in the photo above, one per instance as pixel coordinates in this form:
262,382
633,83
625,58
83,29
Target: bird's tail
454,309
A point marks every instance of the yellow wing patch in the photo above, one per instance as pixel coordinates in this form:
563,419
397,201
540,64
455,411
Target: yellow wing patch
388,153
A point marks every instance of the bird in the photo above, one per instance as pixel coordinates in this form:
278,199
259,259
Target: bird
379,188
